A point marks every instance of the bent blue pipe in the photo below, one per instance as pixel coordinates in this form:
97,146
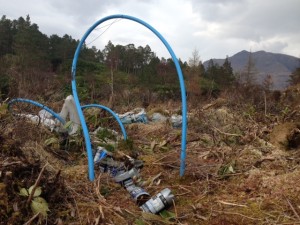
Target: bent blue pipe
57,116
111,112
182,88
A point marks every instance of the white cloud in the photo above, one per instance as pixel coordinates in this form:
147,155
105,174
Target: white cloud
263,25
215,27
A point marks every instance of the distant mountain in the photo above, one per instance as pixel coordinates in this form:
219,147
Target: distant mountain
279,66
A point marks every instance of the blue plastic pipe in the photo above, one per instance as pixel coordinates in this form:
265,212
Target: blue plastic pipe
181,81
57,116
111,112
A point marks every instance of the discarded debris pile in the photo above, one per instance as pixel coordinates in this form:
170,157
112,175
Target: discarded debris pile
139,115
47,171
239,170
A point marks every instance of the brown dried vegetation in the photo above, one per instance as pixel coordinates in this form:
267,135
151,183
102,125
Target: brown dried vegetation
242,168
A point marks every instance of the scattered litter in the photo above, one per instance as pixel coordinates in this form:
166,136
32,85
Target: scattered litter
100,154
176,120
158,117
158,202
121,172
126,178
52,120
51,123
138,115
69,110
45,114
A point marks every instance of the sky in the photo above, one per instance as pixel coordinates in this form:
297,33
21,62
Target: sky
213,28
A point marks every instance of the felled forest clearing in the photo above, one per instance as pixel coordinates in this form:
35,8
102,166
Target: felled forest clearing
242,168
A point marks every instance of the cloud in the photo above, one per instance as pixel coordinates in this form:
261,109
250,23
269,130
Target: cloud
263,25
174,29
218,10
215,27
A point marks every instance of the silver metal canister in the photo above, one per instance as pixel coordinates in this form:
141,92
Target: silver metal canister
159,202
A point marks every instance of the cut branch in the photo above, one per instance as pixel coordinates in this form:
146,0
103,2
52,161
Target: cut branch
36,184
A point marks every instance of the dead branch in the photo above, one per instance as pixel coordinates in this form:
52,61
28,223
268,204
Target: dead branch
12,163
231,204
293,209
175,209
32,219
238,214
227,134
77,209
36,184
153,179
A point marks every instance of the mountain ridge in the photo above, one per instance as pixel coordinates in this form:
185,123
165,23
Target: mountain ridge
279,66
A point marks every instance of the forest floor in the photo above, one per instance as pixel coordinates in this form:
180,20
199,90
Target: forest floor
241,168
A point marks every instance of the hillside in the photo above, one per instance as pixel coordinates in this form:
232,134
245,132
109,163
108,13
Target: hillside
279,66
242,168
243,142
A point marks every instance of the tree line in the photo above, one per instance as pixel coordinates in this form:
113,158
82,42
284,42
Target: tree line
29,58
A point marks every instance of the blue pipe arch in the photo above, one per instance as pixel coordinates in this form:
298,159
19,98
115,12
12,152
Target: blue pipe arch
80,112
111,112
60,119
56,115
